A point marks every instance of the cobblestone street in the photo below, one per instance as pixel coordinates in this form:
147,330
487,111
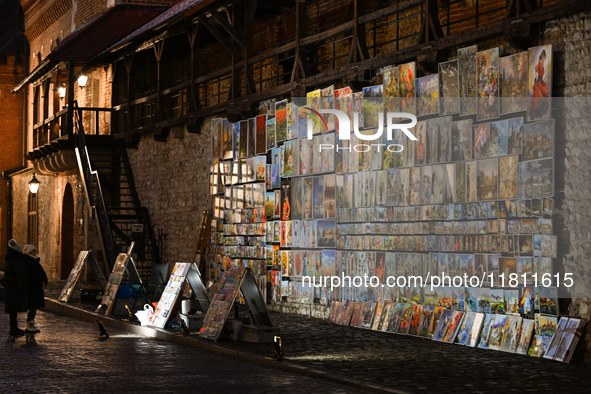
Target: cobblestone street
402,362
66,358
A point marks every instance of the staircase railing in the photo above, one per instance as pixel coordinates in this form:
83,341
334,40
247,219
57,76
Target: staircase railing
90,180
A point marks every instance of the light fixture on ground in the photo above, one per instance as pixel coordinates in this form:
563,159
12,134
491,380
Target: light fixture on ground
82,80
34,185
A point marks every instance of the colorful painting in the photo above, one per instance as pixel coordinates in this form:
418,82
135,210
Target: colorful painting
328,102
498,139
525,336
538,140
243,139
427,95
276,160
344,102
391,96
407,73
488,176
539,83
508,177
515,139
513,83
535,179
270,133
415,320
314,102
461,140
468,75
261,134
373,105
511,334
484,340
449,88
465,328
251,137
474,334
480,140
488,84
497,332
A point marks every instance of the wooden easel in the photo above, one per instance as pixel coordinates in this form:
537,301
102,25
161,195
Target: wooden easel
202,241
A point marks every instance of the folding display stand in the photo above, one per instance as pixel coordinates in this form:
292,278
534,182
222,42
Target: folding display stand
239,279
83,257
121,265
180,273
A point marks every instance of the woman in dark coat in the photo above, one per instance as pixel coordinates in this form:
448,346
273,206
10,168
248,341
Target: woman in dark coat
37,280
15,285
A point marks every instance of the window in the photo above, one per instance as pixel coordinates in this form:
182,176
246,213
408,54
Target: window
32,234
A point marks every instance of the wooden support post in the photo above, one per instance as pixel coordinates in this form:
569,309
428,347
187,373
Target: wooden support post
194,103
249,13
70,98
431,26
128,63
235,83
300,65
358,46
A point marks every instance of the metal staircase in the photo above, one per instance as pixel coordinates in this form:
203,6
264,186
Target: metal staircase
111,192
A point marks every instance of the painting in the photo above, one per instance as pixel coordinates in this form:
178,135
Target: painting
318,197
251,137
548,300
243,139
515,136
427,95
465,328
557,338
461,140
511,334
313,101
415,320
488,84
524,338
443,131
406,90
488,173
449,88
471,183
328,102
508,177
344,102
329,196
227,151
391,96
292,121
261,134
498,138
308,199
535,179
483,342
373,105
297,192
539,83
538,140
497,332
276,160
480,141
467,65
438,184
216,138
270,133
513,83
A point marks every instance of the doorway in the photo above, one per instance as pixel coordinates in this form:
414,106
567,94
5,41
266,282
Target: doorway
67,235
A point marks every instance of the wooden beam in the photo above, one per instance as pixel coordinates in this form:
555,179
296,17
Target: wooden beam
431,26
218,34
249,12
228,27
497,29
358,45
192,32
300,64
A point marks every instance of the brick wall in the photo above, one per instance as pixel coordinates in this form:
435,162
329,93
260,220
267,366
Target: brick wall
11,133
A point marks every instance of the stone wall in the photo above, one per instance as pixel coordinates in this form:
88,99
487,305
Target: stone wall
172,182
571,40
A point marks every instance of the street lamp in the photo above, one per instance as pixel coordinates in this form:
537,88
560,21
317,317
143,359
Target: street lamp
34,185
62,91
82,80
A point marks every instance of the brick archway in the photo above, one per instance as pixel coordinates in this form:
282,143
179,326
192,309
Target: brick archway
67,233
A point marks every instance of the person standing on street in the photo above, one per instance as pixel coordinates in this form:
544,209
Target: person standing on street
37,281
16,286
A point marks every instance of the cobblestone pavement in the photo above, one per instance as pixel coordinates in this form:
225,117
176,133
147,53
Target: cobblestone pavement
66,358
414,364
